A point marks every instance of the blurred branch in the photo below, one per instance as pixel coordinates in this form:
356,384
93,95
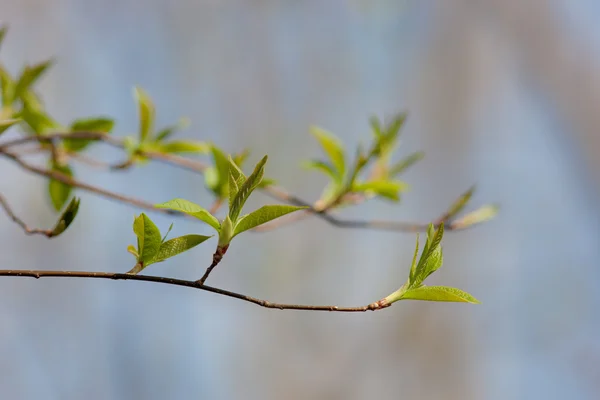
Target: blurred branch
30,231
191,284
198,167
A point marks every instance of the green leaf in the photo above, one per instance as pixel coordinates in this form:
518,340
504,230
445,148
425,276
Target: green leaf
388,189
333,148
178,245
375,126
192,209
59,192
413,266
431,257
131,249
7,87
184,146
478,216
406,163
460,203
29,76
66,217
167,234
146,112
246,189
7,123
236,180
438,293
324,167
217,178
168,131
149,239
35,117
95,124
263,215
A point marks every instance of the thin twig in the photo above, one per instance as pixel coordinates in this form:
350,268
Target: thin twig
191,284
217,257
196,166
59,176
21,223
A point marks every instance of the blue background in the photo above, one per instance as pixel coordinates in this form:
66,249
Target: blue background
500,93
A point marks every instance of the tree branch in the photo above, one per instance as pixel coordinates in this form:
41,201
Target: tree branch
199,167
21,223
191,284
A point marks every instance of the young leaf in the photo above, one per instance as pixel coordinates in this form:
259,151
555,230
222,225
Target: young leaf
375,126
324,167
7,86
59,192
66,217
167,234
131,249
478,216
216,178
184,146
98,124
168,131
438,293
236,180
263,215
413,266
149,239
192,209
246,189
28,77
388,189
146,112
460,203
178,245
406,163
333,148
7,123
431,257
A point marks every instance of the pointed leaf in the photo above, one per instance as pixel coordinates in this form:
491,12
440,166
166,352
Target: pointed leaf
438,293
59,192
167,234
146,112
66,217
324,167
95,124
217,178
388,189
7,87
406,163
7,123
29,76
246,189
431,258
413,266
333,148
192,209
460,203
263,215
375,126
131,249
178,245
168,131
478,216
149,239
236,180
184,146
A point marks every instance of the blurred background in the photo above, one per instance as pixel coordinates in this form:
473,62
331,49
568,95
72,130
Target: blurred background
503,94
